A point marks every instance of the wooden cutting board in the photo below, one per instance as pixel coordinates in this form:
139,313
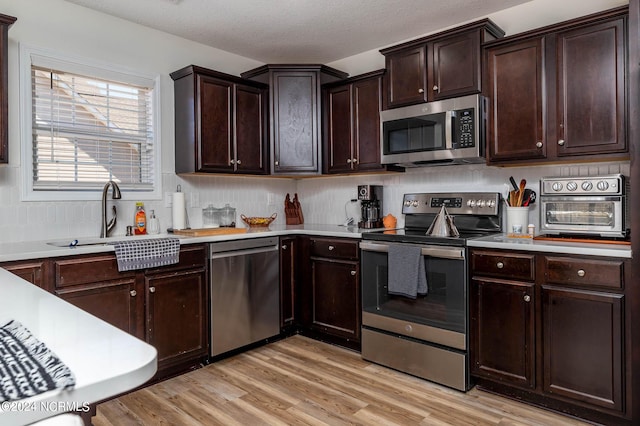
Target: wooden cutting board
203,232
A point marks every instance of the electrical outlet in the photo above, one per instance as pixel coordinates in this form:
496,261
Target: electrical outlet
271,199
168,199
194,199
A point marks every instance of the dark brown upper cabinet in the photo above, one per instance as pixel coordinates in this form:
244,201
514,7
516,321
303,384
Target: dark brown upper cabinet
437,66
295,114
220,123
5,22
351,121
559,93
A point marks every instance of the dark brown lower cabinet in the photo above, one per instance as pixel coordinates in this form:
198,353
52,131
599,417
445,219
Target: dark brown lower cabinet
34,271
289,267
503,345
559,338
329,291
165,306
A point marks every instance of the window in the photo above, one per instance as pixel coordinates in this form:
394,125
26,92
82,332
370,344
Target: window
87,125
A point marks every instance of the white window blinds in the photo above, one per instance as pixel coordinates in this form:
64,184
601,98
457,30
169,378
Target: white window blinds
89,130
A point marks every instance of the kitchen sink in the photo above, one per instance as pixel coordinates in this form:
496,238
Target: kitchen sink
79,243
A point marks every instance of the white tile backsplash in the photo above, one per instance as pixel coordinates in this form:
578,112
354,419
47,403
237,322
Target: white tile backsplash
323,199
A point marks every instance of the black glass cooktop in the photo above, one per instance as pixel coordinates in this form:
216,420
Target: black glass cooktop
420,237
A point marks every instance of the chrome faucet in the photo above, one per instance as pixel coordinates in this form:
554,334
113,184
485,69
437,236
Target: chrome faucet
107,227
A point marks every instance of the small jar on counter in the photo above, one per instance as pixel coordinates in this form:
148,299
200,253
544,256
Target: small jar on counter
531,229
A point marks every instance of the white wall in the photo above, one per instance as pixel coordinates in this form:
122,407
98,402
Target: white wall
70,29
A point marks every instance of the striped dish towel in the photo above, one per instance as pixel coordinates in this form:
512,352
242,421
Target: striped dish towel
151,253
27,366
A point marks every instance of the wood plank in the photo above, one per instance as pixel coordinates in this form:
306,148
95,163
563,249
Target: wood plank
300,381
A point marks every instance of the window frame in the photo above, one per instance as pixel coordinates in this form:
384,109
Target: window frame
88,67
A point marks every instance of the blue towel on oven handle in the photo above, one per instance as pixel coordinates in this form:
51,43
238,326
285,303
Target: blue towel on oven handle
407,275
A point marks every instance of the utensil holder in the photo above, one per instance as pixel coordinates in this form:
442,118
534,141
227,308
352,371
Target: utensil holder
517,221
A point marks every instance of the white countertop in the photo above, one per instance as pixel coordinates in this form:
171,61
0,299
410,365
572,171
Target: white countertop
502,241
40,249
105,360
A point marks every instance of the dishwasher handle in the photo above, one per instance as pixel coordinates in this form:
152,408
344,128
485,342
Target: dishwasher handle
243,252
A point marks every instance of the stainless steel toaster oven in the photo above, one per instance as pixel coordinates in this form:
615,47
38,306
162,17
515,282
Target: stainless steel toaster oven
592,206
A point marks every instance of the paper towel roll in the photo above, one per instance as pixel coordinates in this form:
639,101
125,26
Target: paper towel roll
178,211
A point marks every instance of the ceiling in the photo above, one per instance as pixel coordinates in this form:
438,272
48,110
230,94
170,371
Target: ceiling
298,31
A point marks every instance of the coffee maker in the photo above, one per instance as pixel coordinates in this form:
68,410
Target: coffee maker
370,197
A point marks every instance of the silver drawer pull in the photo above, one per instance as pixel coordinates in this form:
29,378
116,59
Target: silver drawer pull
581,272
331,248
133,293
284,247
500,265
353,272
527,298
152,289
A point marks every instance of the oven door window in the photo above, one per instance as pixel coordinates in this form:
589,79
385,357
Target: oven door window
444,305
582,213
425,133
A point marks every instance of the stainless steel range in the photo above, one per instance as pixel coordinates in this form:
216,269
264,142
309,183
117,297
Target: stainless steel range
423,334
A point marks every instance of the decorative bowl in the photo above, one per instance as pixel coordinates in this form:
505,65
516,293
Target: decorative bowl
258,222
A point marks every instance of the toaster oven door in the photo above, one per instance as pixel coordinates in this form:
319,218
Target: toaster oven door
603,216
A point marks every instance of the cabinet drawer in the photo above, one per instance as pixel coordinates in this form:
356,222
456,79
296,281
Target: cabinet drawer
335,249
584,271
511,266
191,257
85,270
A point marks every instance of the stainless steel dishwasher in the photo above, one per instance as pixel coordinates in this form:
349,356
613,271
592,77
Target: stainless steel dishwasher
245,292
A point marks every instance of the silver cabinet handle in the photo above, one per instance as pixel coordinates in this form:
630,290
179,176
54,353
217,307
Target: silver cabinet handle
581,273
331,248
354,160
420,90
500,265
152,289
277,163
133,293
238,162
284,247
539,144
561,142
348,160
527,298
435,87
232,162
353,273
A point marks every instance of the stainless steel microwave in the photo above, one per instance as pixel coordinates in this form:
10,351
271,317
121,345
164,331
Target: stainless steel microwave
451,131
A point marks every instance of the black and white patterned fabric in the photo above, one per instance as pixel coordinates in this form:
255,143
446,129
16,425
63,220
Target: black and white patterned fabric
27,366
151,253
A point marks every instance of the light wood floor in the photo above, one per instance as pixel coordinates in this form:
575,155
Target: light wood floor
300,381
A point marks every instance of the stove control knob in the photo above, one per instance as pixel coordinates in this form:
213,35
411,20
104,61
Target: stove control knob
472,203
602,185
557,186
415,203
572,186
587,185
491,203
407,203
481,203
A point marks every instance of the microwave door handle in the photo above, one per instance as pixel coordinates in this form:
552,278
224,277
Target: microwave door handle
450,119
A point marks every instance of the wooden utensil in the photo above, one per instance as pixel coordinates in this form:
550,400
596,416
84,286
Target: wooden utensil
523,183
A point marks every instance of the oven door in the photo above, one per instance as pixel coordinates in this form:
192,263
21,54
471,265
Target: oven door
438,317
583,215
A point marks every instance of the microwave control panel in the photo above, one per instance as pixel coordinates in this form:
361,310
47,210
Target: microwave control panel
464,131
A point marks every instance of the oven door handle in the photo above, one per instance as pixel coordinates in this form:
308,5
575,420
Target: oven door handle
431,251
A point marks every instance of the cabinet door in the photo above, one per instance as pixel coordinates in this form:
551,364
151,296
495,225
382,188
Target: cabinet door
406,77
295,121
515,89
336,298
503,331
339,139
215,104
177,315
591,73
288,275
583,346
367,103
455,66
249,128
117,302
